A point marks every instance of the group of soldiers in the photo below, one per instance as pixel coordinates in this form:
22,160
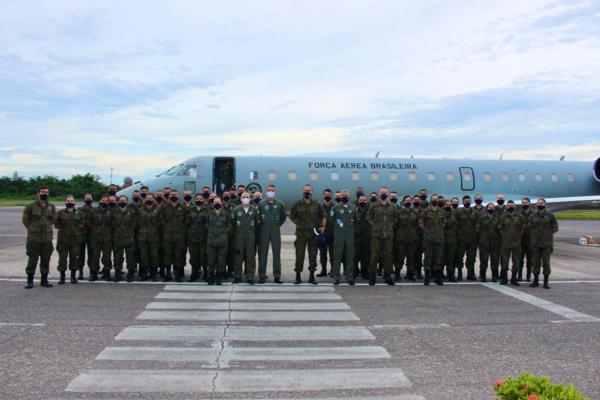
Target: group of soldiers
376,234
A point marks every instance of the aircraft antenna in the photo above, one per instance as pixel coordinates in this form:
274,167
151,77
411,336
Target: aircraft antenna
562,158
377,155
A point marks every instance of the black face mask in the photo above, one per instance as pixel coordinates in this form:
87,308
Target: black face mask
206,195
362,204
541,208
159,199
257,200
407,205
500,202
187,197
525,206
174,199
149,202
307,195
104,205
373,199
327,198
394,200
226,198
383,196
478,201
217,206
510,209
424,197
233,197
448,208
44,196
122,205
337,199
143,195
70,205
112,205
441,203
454,205
467,204
344,200
490,211
88,202
417,204
199,202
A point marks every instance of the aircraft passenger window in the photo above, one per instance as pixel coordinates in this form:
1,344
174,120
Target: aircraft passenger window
272,175
335,176
522,177
355,176
314,175
487,176
253,175
554,177
188,170
539,177
431,176
292,175
505,177
467,177
449,176
393,176
374,175
173,170
570,178
412,176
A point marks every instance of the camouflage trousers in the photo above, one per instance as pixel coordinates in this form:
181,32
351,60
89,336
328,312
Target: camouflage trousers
38,251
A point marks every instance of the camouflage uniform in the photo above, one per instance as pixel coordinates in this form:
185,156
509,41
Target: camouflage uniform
510,226
69,223
272,216
362,241
434,222
542,224
124,222
489,245
467,240
341,222
406,239
526,251
326,246
450,243
383,219
308,216
245,222
197,217
86,238
102,239
173,221
149,241
218,223
38,220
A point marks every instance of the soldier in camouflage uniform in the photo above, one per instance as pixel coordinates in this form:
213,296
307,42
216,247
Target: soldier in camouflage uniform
383,218
467,240
149,239
172,217
418,263
308,215
362,238
188,204
543,226
450,240
406,238
124,222
38,218
432,222
510,225
86,235
342,218
69,223
197,217
218,224
526,251
244,220
101,240
489,240
326,246
272,216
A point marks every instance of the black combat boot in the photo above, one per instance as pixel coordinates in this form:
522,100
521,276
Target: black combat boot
426,280
513,279
130,275
298,278
471,275
311,278
62,279
528,275
118,276
504,278
323,271
460,276
438,278
168,277
278,280
546,285
74,277
106,276
161,272
211,280
520,275
494,275
93,276
250,281
262,280
178,271
372,278
450,274
218,279
143,274
387,278
482,276
194,275
205,274
29,284
153,274
397,277
536,281
80,273
44,281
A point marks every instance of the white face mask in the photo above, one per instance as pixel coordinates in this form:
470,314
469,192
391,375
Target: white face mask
270,195
245,201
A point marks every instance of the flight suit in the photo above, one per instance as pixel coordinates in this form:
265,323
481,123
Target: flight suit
172,219
362,241
383,219
245,221
197,217
434,222
124,222
407,235
38,220
467,240
542,224
419,249
186,243
526,250
510,226
149,241
272,216
85,246
69,224
218,224
230,238
450,243
136,206
341,220
102,239
489,245
308,216
326,246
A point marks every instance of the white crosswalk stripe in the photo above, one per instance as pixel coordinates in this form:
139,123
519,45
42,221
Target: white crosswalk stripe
269,316
243,296
238,306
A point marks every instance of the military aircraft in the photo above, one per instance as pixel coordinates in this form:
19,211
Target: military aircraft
562,183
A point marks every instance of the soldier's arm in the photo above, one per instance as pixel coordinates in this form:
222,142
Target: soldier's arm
57,223
294,214
553,223
26,216
282,214
422,222
370,216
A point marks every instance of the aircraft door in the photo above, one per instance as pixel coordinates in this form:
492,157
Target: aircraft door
223,174
190,185
467,179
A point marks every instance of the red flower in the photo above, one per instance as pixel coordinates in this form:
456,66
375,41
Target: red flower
498,383
533,397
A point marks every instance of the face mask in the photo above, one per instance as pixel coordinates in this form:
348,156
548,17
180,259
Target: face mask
122,205
245,201
454,205
233,197
448,208
407,205
510,209
143,195
88,202
149,202
373,199
467,204
424,197
240,194
327,198
490,210
525,206
187,197
136,199
307,195
394,200
359,193
70,205
199,202
417,204
44,196
226,198
159,199
478,201
174,199
383,196
217,206
344,200
362,204
112,205
541,207
257,200
500,202
206,195
441,203
270,195
337,199
104,205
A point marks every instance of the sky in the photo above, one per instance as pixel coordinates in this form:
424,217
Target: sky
140,86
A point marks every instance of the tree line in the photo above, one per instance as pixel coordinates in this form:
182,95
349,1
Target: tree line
77,185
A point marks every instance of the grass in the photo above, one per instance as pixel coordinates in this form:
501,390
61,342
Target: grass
21,201
578,214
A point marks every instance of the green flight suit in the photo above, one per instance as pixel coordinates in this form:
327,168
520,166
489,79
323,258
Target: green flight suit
38,219
173,219
102,239
526,249
362,240
228,207
383,218
466,220
124,222
489,244
407,236
69,223
85,246
245,221
342,218
450,242
511,227
197,230
272,216
307,215
542,224
218,225
434,223
326,246
149,240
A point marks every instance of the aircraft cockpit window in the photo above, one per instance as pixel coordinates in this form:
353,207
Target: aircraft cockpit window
187,170
172,171
554,177
335,176
253,175
431,176
272,175
467,177
487,176
538,177
570,178
412,176
449,176
393,176
374,175
313,175
522,177
505,177
355,176
292,175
